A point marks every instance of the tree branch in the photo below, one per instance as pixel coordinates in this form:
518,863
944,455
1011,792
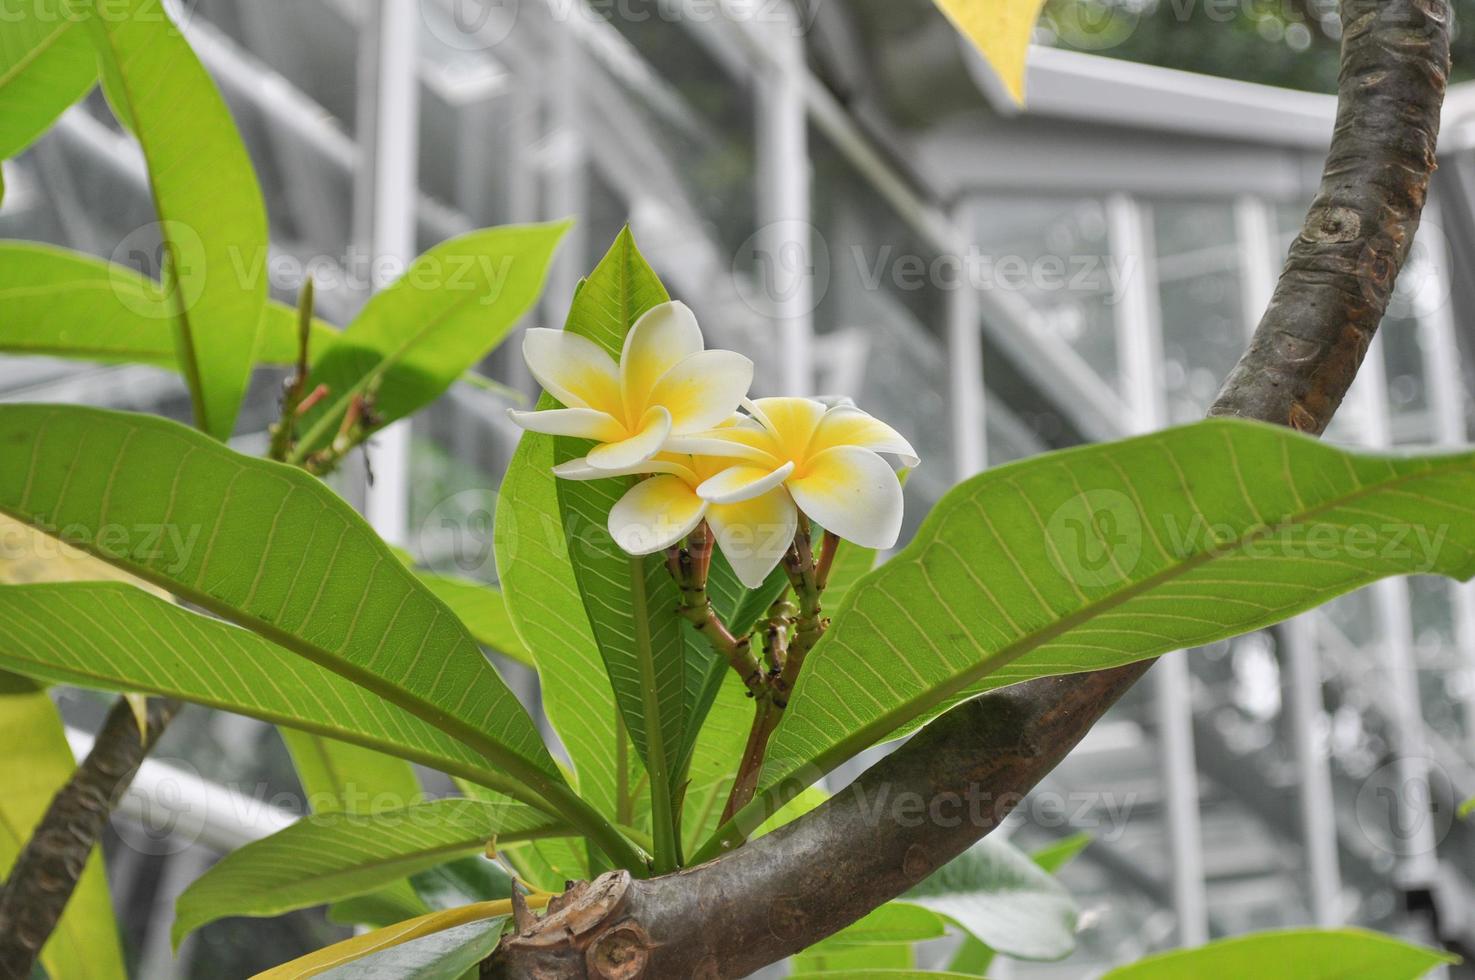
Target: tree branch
47,870
1341,270
951,784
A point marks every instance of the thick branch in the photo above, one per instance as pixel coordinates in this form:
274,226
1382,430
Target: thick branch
950,785
1341,270
46,872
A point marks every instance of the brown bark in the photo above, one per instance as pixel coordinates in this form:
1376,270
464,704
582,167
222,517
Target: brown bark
47,870
1341,270
951,784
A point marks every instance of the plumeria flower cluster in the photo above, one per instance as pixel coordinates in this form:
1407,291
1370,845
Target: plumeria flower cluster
669,411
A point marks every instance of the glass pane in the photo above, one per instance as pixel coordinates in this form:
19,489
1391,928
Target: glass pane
880,320
1202,305
1054,253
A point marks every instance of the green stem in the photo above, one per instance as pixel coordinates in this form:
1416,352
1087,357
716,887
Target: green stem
689,567
593,825
286,427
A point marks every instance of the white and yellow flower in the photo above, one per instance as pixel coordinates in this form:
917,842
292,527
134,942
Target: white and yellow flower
661,510
665,384
826,458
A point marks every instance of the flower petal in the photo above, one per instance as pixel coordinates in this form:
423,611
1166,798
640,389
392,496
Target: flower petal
579,469
703,390
753,444
573,369
585,423
852,492
792,421
632,450
847,425
655,514
755,534
738,483
664,337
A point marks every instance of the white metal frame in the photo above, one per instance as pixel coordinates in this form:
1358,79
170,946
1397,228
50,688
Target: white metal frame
1139,332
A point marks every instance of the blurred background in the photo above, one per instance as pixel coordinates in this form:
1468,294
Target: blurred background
842,191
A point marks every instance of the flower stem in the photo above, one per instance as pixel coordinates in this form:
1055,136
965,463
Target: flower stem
786,654
689,566
776,632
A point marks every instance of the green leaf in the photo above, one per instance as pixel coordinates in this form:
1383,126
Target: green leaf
631,602
1103,555
342,776
211,215
1298,954
894,922
270,548
443,945
838,961
60,303
378,909
483,611
545,863
549,864
883,939
461,882
327,857
543,601
36,763
46,64
51,632
1004,900
852,562
418,335
1057,855
449,955
1466,808
807,799
973,957
719,746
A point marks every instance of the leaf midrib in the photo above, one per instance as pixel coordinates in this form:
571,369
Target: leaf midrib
189,364
531,777
915,706
485,777
462,847
655,739
454,849
34,54
153,357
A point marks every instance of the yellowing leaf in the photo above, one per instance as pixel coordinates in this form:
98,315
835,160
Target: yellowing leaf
1000,30
29,556
381,939
36,762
